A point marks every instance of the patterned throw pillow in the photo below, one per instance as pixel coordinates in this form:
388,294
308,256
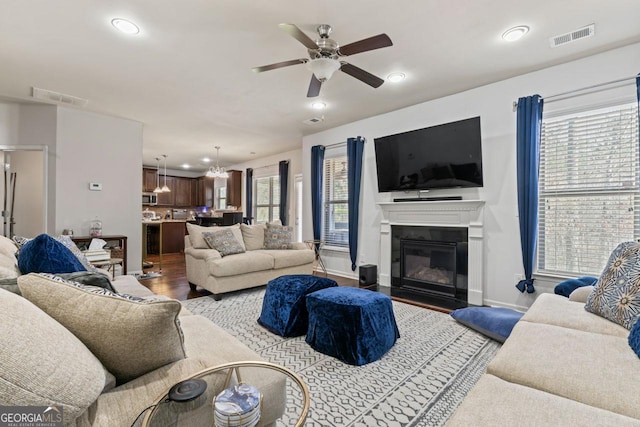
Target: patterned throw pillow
223,241
616,296
278,236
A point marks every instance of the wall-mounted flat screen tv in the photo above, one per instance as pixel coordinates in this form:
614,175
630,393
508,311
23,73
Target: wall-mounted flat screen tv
442,156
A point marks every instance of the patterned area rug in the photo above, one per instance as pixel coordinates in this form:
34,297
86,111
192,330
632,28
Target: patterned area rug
419,382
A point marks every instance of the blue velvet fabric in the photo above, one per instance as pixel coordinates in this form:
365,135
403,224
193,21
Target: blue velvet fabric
44,254
354,325
283,308
494,322
634,337
566,287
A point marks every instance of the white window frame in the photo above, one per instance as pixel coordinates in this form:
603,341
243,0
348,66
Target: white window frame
335,156
273,181
586,256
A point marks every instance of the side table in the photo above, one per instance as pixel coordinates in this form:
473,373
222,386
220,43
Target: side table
109,265
84,241
316,245
199,412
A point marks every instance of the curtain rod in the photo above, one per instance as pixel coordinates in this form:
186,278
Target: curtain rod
575,92
269,166
340,144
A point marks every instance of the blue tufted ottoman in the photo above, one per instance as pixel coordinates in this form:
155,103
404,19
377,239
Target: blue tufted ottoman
283,308
354,325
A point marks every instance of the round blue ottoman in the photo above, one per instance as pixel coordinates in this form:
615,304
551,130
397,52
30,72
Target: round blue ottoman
283,307
354,325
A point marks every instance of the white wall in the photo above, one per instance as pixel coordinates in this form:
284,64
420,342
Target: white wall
107,150
295,167
494,103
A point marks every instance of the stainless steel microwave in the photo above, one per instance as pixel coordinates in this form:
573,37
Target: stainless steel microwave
150,199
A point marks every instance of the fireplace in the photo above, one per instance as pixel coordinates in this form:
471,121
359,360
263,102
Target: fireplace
430,260
443,224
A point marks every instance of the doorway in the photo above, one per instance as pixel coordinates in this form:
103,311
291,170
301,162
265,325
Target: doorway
23,190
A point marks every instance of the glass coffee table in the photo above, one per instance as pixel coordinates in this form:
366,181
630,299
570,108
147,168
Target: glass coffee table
285,396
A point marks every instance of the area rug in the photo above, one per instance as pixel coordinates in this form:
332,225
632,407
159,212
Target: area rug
419,382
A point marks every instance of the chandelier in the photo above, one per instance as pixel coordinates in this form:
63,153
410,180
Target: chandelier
217,171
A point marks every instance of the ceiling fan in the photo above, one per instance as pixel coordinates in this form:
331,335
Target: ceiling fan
324,54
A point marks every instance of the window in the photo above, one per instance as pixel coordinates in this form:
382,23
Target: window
267,203
222,198
335,220
589,193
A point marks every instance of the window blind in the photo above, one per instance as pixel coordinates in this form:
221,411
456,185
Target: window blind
335,221
588,188
267,199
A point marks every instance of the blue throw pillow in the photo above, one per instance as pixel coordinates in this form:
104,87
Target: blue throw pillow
634,337
44,254
494,322
565,288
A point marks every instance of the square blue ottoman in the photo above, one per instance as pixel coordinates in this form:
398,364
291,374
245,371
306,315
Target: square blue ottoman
354,325
283,308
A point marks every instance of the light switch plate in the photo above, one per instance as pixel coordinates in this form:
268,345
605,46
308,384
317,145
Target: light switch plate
95,186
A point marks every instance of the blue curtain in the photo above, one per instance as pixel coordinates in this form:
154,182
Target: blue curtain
283,168
249,194
528,160
355,148
317,162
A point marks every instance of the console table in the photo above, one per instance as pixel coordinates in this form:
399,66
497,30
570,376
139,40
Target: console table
84,241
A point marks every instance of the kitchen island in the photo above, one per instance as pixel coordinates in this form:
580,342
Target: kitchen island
163,237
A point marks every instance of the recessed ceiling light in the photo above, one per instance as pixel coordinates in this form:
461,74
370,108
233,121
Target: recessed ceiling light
515,33
206,160
396,77
125,26
186,166
318,105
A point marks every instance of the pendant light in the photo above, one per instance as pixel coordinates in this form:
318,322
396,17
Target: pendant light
217,171
158,189
165,189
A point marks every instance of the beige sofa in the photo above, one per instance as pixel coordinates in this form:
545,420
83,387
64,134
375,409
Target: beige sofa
561,366
44,363
255,267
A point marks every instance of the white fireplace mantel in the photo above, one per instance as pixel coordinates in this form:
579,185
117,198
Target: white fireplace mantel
445,213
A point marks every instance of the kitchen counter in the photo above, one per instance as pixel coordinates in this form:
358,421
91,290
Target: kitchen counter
163,236
160,221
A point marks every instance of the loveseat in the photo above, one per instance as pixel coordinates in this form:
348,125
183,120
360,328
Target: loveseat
58,340
254,266
561,366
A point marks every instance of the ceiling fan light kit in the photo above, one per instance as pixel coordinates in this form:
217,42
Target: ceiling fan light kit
323,68
324,54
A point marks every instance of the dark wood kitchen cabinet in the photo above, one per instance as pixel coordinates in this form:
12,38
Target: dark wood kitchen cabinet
168,198
205,192
182,188
173,237
234,189
148,180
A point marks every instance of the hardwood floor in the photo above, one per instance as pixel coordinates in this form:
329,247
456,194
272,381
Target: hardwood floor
173,282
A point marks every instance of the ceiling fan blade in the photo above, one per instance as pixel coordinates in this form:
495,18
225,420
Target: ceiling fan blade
279,65
314,87
361,75
375,42
297,34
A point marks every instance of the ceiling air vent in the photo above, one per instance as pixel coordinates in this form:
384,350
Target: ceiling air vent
60,98
313,120
572,36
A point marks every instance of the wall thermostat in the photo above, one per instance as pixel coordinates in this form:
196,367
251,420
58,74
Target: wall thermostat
95,186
